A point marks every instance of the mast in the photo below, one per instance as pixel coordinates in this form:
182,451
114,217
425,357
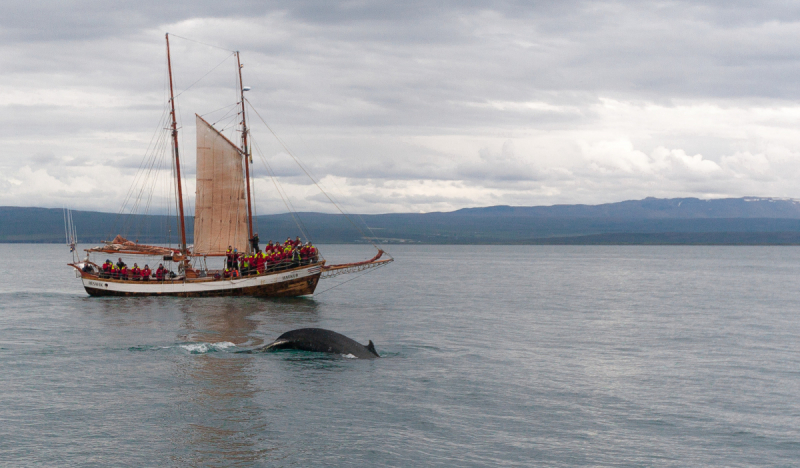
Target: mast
175,151
246,157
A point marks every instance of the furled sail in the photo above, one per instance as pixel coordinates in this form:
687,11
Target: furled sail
220,214
121,245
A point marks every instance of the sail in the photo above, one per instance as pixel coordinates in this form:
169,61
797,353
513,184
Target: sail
220,214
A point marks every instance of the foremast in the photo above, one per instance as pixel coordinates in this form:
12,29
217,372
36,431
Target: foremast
177,156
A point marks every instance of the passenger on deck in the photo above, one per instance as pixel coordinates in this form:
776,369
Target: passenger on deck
251,259
295,256
312,253
160,272
146,272
298,242
261,262
245,266
268,249
123,272
229,258
136,272
304,257
114,272
254,243
235,256
226,273
120,263
107,268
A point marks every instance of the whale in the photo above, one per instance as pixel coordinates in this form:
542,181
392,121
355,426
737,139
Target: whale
321,341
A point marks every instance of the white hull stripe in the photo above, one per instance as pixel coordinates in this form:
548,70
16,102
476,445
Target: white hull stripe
167,287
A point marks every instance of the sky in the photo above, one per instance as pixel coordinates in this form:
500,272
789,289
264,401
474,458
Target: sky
412,106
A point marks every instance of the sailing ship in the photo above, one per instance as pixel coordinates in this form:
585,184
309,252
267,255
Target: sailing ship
223,221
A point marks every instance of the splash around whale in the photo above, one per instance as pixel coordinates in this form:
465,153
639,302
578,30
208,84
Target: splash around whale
321,341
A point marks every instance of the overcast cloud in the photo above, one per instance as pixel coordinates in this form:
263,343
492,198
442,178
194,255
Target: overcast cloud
410,106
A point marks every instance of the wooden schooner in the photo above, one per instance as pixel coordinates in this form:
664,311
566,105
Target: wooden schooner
223,218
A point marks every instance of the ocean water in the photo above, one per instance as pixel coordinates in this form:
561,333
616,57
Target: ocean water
492,356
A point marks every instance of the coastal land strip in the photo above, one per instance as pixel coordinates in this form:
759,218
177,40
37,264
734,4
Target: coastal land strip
680,221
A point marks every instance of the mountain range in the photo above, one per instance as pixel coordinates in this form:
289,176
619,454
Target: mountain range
731,221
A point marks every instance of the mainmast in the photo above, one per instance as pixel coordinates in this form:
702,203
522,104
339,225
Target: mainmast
175,152
246,157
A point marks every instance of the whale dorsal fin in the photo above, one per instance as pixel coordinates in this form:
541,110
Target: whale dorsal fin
371,348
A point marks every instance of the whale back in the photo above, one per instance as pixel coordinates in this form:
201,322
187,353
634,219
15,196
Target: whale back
321,340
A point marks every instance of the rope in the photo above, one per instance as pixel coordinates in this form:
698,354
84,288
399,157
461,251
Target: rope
208,73
287,203
203,43
341,192
253,198
289,152
217,110
370,270
138,188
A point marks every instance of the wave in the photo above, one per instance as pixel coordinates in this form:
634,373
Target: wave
203,348
191,348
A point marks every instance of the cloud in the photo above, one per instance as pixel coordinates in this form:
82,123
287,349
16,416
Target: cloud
410,106
610,157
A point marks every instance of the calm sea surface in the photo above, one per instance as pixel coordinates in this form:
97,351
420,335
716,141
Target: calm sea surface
493,355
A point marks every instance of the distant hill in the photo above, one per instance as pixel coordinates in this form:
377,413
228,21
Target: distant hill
656,208
733,221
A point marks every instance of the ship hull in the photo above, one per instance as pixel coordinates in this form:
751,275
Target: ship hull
300,281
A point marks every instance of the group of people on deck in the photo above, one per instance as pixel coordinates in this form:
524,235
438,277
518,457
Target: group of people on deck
274,257
121,271
291,253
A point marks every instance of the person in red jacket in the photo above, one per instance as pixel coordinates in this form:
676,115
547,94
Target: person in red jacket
123,272
146,272
312,253
107,268
260,259
160,272
136,272
304,253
